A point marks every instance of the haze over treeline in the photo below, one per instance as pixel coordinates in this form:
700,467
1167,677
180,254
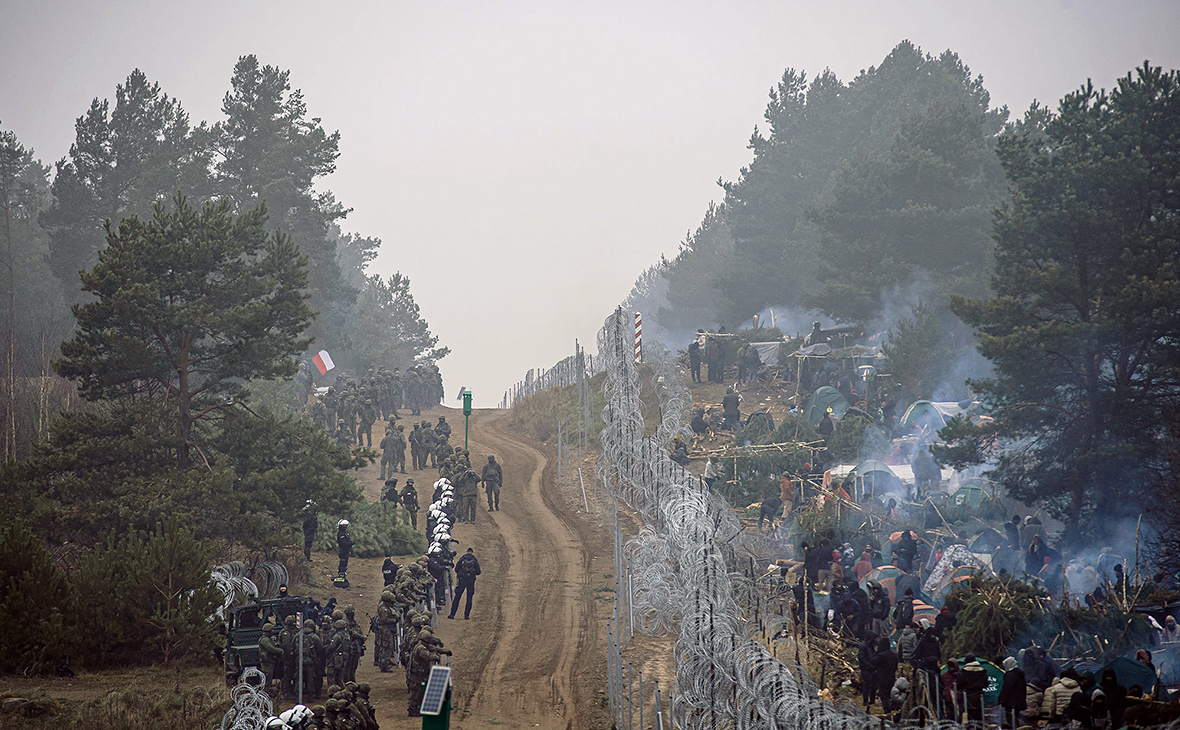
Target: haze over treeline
1027,260
138,148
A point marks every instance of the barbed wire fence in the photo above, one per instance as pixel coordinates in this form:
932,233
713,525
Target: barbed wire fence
689,571
686,572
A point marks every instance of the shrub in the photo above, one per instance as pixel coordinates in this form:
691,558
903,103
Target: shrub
376,528
35,604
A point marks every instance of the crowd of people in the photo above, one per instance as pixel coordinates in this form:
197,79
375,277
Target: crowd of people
350,407
900,657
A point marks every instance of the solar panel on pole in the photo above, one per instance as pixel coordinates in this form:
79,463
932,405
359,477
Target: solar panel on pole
435,695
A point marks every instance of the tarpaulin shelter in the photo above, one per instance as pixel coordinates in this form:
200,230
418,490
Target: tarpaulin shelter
823,399
1129,672
768,352
987,541
968,495
922,414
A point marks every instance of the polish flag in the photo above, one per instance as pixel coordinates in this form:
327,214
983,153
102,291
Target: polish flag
323,361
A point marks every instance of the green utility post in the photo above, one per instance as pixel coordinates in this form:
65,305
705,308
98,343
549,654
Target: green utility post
466,416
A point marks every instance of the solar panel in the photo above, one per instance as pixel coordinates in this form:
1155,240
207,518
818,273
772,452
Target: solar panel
436,690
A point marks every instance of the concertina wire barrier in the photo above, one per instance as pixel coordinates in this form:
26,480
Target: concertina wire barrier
684,568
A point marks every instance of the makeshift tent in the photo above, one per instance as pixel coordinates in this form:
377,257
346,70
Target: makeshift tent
820,349
952,557
1129,672
922,414
821,400
767,352
987,541
885,575
995,677
874,477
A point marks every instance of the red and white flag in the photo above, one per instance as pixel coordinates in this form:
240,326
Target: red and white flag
323,361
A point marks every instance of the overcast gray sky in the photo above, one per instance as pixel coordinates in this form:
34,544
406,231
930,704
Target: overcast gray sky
523,162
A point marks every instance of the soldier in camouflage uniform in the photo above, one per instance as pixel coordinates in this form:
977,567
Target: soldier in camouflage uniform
426,653
442,451
466,494
387,619
289,643
344,434
399,449
271,655
358,644
429,443
311,654
338,651
492,478
416,446
443,428
368,416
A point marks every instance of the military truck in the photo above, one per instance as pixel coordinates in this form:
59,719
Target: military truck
244,629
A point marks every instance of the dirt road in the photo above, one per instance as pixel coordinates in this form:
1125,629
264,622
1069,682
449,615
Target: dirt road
530,656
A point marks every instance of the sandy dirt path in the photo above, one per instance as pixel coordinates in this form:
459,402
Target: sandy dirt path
530,655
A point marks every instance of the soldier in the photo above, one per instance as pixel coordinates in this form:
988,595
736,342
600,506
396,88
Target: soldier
410,502
399,450
387,618
289,643
320,717
319,413
443,428
331,401
311,655
338,650
311,524
422,659
331,715
442,451
466,492
344,434
416,446
492,478
362,696
429,442
271,655
368,416
358,644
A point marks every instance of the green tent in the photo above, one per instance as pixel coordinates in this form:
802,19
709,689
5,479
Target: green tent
874,477
922,413
967,495
821,400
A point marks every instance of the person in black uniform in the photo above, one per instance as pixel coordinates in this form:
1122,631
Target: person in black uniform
466,571
343,546
409,499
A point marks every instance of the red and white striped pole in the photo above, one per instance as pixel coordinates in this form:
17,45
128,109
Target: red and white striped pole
638,336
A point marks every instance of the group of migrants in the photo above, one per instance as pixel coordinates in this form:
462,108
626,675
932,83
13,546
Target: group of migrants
900,655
